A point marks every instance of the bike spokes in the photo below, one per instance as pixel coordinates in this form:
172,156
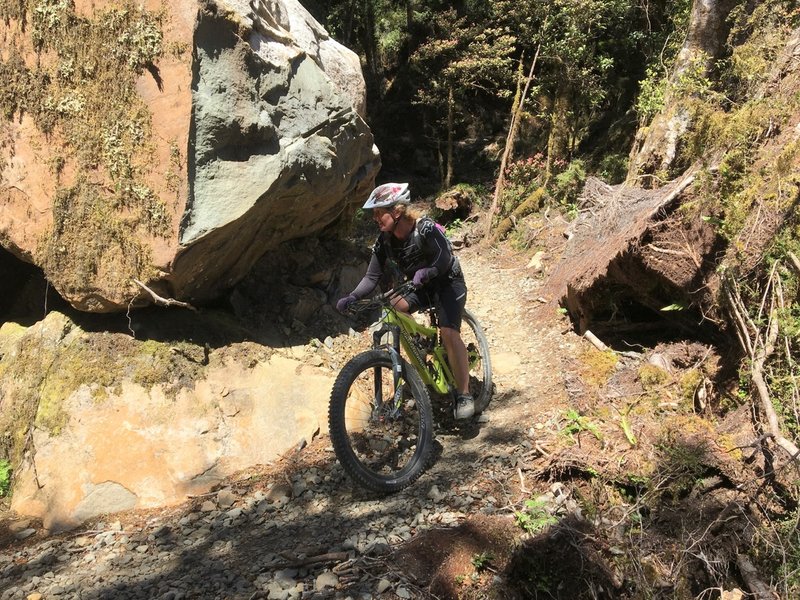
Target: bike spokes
382,422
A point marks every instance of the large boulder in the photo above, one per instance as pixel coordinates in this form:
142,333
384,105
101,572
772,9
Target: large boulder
172,144
97,423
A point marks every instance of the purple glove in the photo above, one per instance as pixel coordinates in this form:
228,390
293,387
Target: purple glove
422,276
343,303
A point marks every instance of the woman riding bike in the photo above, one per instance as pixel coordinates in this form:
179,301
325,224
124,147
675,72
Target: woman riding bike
418,248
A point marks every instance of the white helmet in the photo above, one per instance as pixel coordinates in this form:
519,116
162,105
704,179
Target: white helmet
387,195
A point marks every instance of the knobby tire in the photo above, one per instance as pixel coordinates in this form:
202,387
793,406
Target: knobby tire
380,451
481,386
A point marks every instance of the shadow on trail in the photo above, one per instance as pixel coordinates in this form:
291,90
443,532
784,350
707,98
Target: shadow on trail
234,553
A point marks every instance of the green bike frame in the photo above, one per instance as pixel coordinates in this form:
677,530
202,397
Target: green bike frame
435,372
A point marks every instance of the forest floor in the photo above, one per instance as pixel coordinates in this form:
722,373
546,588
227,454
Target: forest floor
592,474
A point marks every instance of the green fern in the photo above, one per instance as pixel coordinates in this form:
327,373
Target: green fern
5,477
535,517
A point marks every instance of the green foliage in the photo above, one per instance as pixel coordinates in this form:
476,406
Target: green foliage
613,168
534,517
577,423
779,551
482,560
568,184
461,60
653,88
652,92
5,477
652,376
627,429
757,36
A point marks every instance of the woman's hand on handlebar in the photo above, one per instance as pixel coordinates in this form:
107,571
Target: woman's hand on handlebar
344,303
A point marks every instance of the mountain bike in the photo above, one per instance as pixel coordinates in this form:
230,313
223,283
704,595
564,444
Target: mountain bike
380,415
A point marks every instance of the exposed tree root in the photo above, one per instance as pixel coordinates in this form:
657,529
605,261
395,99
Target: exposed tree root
759,346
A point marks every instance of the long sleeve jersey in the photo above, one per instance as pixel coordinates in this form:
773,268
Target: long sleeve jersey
426,246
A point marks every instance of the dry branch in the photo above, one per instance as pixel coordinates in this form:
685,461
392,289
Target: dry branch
795,262
758,588
312,560
164,301
596,342
759,351
512,134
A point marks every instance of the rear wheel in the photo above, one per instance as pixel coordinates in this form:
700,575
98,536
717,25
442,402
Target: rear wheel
480,365
382,434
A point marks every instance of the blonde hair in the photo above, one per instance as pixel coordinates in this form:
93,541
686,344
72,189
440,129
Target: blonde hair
406,212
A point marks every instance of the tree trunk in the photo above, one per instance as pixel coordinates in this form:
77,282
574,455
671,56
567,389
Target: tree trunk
508,151
450,117
530,204
655,152
558,141
370,42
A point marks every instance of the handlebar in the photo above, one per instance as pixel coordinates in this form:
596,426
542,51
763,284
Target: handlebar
380,300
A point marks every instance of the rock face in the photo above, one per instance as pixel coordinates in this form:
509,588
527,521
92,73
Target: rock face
176,147
104,446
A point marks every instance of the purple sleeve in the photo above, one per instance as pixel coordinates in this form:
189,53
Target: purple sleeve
370,279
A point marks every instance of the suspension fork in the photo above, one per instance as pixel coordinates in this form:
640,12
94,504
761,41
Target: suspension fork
397,365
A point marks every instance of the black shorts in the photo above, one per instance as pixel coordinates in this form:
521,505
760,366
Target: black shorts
447,298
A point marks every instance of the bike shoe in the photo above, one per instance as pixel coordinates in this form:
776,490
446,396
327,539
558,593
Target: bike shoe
464,407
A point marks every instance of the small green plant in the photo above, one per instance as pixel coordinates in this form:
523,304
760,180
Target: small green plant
568,184
577,423
627,429
453,227
5,477
482,561
534,517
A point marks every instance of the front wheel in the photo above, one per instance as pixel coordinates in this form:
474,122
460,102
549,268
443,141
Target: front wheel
480,365
382,433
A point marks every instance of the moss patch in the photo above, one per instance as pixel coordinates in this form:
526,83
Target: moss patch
81,93
42,374
597,367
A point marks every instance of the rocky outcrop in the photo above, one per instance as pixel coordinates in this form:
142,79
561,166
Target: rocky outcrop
176,147
136,439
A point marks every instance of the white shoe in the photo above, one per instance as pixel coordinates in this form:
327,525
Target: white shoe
464,407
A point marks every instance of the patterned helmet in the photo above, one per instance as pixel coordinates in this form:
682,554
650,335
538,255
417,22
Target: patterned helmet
387,195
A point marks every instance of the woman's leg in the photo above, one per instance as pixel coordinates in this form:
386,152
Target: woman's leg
457,357
401,304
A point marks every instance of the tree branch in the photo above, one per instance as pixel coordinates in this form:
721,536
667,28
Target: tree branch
164,301
759,353
795,262
758,588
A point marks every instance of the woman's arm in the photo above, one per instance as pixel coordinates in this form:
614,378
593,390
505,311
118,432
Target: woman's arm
370,279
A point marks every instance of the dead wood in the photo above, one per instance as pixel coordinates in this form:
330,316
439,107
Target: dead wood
616,224
795,262
312,560
595,341
749,574
164,301
759,346
531,203
512,134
